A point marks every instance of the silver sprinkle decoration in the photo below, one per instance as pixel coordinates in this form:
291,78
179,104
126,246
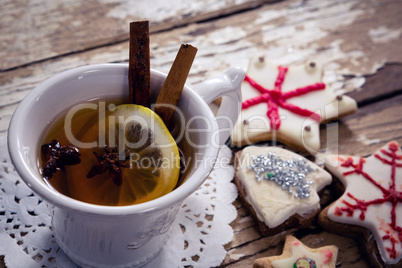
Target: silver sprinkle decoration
289,174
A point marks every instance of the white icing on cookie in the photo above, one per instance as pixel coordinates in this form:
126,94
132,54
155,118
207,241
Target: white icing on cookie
323,257
372,180
272,205
292,127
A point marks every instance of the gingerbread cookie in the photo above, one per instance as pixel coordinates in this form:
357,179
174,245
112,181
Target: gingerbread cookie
279,187
296,254
286,104
371,205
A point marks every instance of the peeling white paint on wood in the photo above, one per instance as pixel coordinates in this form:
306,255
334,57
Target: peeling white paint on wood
352,38
383,34
363,139
289,32
36,30
160,10
235,257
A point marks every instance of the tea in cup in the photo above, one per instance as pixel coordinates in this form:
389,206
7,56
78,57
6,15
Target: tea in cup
106,152
107,235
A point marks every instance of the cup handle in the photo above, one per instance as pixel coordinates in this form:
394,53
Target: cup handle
227,86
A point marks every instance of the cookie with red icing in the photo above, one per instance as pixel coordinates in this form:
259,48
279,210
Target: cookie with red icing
296,254
371,205
287,104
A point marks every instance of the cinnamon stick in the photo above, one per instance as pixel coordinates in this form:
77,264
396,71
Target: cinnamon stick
172,88
139,64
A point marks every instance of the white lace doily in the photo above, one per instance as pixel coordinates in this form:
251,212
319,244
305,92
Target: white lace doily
198,234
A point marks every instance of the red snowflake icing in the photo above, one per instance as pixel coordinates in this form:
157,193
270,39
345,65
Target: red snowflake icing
275,98
391,195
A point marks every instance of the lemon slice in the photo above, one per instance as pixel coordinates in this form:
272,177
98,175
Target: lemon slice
147,150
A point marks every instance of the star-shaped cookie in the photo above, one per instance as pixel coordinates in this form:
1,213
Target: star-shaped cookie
296,254
372,200
287,104
284,192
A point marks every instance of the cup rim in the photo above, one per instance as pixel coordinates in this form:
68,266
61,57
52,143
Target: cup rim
57,199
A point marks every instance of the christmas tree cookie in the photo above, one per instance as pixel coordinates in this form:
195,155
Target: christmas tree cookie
279,187
371,205
287,104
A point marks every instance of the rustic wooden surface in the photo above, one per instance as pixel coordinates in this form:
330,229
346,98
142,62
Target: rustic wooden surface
358,41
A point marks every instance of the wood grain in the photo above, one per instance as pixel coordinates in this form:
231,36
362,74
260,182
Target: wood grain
378,119
323,28
359,42
385,83
33,31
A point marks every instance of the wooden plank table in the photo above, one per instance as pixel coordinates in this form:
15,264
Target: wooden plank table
358,41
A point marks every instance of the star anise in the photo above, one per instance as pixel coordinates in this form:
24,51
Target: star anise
111,162
57,157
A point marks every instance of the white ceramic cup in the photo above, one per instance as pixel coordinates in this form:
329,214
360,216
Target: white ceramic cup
120,236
